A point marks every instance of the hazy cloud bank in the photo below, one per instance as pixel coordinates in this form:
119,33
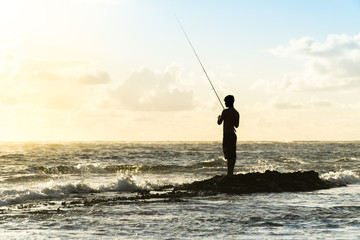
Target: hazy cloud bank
62,84
95,79
147,90
330,65
285,104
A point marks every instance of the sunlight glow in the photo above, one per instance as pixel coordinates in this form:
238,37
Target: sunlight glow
122,70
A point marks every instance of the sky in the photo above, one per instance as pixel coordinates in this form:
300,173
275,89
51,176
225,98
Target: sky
122,70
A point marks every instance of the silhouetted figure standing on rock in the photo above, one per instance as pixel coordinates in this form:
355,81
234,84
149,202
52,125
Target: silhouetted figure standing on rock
231,118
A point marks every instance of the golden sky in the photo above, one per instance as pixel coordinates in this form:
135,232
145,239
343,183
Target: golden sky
123,71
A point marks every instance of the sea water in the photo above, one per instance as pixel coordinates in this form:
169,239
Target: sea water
46,188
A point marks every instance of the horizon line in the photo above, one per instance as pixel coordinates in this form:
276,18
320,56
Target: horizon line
176,141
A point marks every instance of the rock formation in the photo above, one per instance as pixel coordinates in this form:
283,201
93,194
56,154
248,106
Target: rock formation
270,181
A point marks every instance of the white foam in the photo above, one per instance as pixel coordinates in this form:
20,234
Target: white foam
125,184
262,166
220,161
344,177
56,190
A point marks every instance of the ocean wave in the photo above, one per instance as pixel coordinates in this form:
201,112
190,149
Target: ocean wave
59,191
289,160
101,169
127,168
61,169
343,177
218,162
26,178
347,159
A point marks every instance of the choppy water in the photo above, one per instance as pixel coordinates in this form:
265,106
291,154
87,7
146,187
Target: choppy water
45,189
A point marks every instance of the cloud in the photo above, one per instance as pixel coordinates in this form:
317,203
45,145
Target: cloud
8,99
320,103
285,104
147,90
46,76
50,64
309,83
8,67
94,79
48,84
331,65
8,42
335,46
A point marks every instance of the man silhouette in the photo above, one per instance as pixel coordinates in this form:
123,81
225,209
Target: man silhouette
230,117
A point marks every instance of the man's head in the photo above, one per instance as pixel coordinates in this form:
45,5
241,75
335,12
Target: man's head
229,101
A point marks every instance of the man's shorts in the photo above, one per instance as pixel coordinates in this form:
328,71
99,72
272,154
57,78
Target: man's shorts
229,145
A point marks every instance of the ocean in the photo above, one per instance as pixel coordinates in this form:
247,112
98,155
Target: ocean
95,190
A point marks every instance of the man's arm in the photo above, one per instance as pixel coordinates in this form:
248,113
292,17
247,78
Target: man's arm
220,119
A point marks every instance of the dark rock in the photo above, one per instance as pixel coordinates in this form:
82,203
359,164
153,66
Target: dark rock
270,181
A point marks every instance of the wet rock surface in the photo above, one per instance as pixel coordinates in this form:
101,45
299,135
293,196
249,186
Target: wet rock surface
270,181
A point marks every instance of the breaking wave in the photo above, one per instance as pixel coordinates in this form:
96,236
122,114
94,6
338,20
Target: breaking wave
106,169
343,177
58,191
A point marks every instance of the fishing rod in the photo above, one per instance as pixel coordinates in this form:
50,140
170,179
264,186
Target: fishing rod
202,66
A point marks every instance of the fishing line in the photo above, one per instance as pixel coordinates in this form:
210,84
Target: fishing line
202,66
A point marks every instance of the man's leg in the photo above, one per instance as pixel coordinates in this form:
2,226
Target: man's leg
229,148
231,166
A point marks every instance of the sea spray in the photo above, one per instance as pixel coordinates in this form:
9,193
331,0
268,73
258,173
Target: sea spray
343,176
56,190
